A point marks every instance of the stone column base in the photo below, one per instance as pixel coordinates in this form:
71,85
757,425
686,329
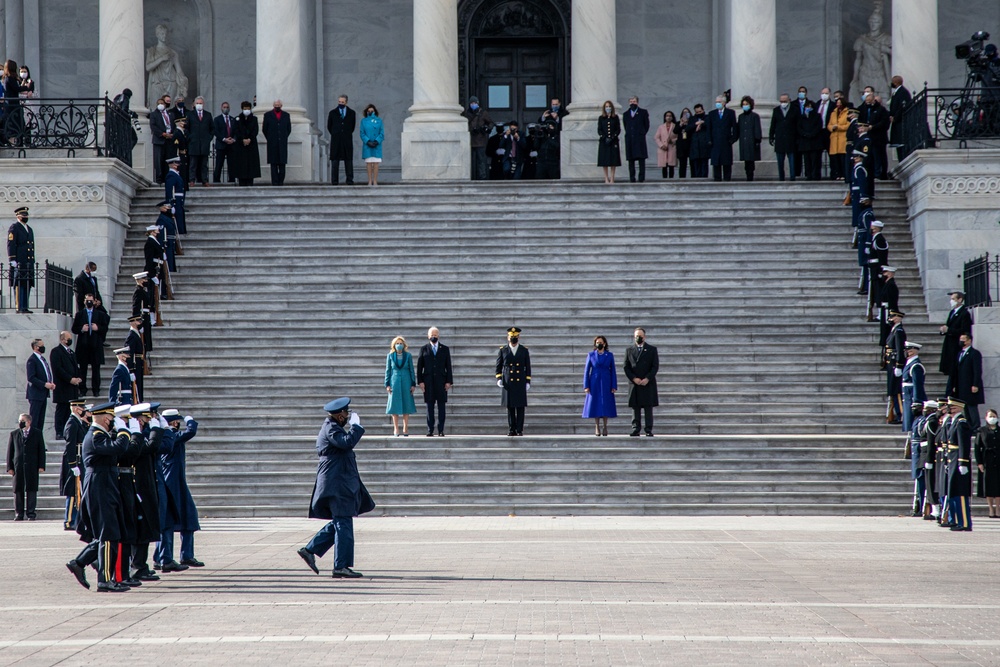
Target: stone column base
436,149
578,147
303,149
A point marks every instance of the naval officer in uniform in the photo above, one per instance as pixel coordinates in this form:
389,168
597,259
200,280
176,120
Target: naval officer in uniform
513,374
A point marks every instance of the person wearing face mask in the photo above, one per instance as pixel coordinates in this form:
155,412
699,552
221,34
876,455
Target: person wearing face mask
836,128
636,124
609,154
161,128
798,109
86,283
809,141
642,361
666,143
66,375
554,114
434,377
341,123
966,380
683,132
25,462
200,133
225,143
339,494
988,463
959,320
877,118
781,135
723,132
276,129
600,382
372,137
400,382
750,136
180,514
959,479
71,475
41,381
513,373
899,101
480,126
89,326
914,394
21,257
246,157
701,143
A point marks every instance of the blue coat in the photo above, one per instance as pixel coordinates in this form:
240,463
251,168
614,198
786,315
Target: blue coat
600,377
636,129
181,514
339,490
37,377
372,130
401,378
120,389
723,132
101,514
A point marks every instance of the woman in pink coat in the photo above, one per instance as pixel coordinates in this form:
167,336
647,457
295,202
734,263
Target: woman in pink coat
666,142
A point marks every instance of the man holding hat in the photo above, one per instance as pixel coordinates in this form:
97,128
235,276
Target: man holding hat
71,475
877,251
888,300
913,384
894,356
513,373
959,476
339,494
21,255
928,433
122,389
137,360
173,186
959,320
181,513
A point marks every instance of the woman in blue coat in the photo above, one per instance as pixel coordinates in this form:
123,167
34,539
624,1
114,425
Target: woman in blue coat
600,382
400,379
372,135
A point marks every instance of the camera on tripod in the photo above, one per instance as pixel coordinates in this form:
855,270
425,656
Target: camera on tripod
972,50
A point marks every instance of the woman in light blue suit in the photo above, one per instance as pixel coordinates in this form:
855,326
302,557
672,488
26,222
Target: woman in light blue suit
372,135
400,379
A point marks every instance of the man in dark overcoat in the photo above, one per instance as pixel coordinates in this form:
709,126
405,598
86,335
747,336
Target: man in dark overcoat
899,101
71,474
89,327
21,256
434,378
959,467
513,375
86,283
636,122
25,461
181,512
966,381
781,135
341,123
339,495
276,129
642,362
66,376
959,320
723,132
200,135
101,523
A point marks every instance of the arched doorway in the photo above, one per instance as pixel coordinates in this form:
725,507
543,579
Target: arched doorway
514,55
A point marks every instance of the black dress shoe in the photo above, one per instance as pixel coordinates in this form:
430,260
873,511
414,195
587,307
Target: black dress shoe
441,435
79,573
310,558
31,518
132,582
430,434
634,434
649,434
520,433
20,517
346,573
111,587
157,566
173,566
145,575
509,434
960,529
192,562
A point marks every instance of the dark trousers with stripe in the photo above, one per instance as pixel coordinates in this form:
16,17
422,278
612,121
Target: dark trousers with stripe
960,514
106,556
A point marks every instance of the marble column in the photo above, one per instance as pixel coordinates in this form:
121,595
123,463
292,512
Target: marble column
284,38
122,65
915,43
594,79
435,138
14,31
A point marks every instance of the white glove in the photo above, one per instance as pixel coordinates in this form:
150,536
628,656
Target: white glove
131,376
156,281
898,372
533,154
133,425
501,151
355,419
13,264
76,471
929,466
163,423
120,424
527,387
499,383
964,470
189,418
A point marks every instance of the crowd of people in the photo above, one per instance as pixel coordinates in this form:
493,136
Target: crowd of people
18,89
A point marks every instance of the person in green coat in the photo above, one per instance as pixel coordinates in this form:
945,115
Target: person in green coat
400,379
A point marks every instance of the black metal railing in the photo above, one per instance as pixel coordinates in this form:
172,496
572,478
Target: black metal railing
970,118
67,124
51,286
980,278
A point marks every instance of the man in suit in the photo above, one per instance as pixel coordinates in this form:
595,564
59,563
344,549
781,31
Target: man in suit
89,326
225,139
781,135
636,124
66,373
21,255
161,132
173,190
723,132
86,283
513,374
341,123
276,129
824,107
434,378
798,109
875,115
40,382
959,321
966,381
25,462
642,361
899,100
513,151
201,129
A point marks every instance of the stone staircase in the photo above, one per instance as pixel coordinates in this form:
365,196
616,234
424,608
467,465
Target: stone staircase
771,397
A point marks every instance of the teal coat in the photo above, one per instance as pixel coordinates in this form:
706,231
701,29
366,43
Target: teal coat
400,376
371,130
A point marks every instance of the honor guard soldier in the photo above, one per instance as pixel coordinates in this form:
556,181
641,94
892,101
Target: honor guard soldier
888,300
101,515
959,475
928,432
513,374
863,145
153,263
181,514
913,383
168,235
143,305
913,444
122,390
860,196
71,475
173,185
127,425
138,362
145,443
894,357
21,255
862,242
941,461
877,250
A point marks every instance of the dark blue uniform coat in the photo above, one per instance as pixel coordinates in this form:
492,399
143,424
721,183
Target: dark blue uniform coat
514,368
181,513
173,188
339,490
960,454
101,515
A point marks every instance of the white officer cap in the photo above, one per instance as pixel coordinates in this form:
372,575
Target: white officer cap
122,410
878,223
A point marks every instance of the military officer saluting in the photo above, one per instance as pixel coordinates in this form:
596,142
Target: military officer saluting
959,476
21,255
514,377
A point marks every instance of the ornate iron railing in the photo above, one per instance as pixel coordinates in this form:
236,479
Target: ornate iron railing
52,286
980,278
67,124
970,117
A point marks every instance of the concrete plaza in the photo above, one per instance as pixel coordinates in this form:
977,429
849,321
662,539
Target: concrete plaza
526,591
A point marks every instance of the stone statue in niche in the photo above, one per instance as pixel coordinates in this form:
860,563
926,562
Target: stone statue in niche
872,53
515,19
164,66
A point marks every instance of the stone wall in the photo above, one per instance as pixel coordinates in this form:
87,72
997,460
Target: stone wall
16,334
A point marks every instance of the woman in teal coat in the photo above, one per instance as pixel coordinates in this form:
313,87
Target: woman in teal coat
400,380
372,135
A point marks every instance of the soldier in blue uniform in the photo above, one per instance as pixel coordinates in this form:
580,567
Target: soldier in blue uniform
863,145
959,472
862,241
122,388
339,494
168,233
513,373
877,253
861,198
181,513
888,299
136,353
145,442
916,471
894,357
928,432
941,462
21,255
173,186
913,383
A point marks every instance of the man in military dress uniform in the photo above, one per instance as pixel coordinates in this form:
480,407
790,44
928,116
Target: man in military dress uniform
71,475
127,425
888,300
928,432
122,390
173,186
145,442
877,251
181,513
862,241
21,255
137,353
913,383
860,196
143,305
894,355
513,375
959,475
916,470
642,362
941,462
168,235
153,253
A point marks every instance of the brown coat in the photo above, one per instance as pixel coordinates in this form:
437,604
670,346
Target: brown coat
666,144
838,131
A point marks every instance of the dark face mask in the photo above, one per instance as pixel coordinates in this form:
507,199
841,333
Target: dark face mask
638,340
68,342
341,106
225,110
600,346
633,107
434,339
41,349
23,219
90,304
22,424
513,341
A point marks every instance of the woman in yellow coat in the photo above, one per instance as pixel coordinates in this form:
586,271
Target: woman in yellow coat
838,137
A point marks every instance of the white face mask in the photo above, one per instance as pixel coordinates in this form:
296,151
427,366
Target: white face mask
160,107
824,96
246,112
607,109
199,107
954,304
866,95
784,106
992,421
24,75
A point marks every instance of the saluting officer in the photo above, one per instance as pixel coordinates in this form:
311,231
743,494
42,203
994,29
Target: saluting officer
959,477
137,353
127,425
145,442
894,356
513,374
21,255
